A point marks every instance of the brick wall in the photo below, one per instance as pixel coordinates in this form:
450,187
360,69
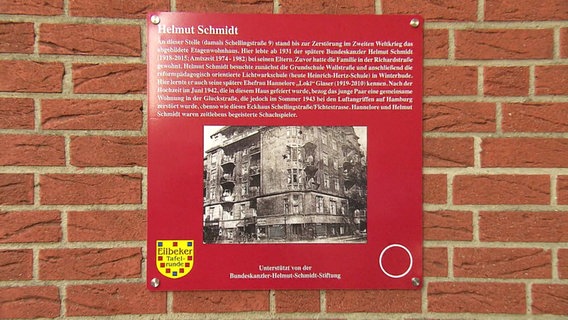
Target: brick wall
73,164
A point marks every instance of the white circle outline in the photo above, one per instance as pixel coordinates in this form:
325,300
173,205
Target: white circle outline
395,245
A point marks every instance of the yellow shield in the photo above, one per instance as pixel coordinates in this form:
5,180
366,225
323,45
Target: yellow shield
174,258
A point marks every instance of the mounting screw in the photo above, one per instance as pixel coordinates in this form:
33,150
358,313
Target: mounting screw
155,19
416,282
155,282
413,23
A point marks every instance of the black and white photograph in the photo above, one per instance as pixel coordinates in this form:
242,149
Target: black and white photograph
284,184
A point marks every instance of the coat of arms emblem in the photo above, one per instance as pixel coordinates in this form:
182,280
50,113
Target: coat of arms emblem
174,258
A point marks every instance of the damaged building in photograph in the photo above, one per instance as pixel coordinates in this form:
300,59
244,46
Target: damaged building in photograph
285,183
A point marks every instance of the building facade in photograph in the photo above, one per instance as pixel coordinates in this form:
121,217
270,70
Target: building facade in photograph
285,183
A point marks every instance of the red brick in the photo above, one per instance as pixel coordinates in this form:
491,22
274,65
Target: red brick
89,264
393,301
473,297
30,226
106,226
507,263
16,113
90,188
31,76
16,188
562,189
450,81
326,7
563,263
486,44
501,189
297,301
16,264
448,225
459,117
29,302
550,299
434,10
109,78
435,262
221,301
506,81
32,150
68,114
505,10
113,299
221,6
117,8
436,43
89,39
535,117
447,152
35,7
509,226
434,188
17,37
524,152
564,42
551,80
108,151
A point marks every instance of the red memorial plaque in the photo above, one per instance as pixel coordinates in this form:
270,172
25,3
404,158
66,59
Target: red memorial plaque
284,151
